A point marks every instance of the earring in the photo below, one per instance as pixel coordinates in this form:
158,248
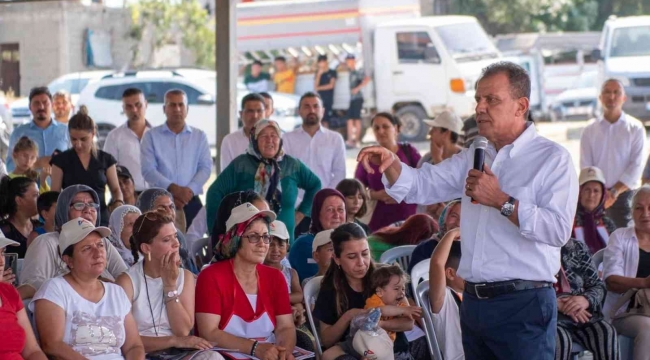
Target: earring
149,257
339,266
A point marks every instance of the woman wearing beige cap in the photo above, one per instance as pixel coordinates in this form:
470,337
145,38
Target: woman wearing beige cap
18,340
445,132
79,316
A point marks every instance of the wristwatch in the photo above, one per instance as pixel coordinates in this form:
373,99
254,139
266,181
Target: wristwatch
508,207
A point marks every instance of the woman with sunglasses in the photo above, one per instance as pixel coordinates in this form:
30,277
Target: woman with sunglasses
161,200
43,260
239,301
162,293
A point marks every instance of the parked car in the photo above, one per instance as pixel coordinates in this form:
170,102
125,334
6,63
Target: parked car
578,102
73,83
104,99
6,126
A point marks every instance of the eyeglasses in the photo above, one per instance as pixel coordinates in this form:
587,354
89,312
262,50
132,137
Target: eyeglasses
81,206
149,215
254,238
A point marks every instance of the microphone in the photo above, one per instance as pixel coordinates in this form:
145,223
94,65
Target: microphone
480,144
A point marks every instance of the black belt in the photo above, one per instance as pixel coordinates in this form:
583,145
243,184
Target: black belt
493,289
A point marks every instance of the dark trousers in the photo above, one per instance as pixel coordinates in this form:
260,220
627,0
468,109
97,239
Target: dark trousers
620,212
518,326
191,209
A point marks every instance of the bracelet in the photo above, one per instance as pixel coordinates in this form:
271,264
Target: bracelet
254,347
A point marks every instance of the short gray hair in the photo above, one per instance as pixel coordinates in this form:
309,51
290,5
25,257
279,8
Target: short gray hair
176,92
517,76
619,82
63,94
643,190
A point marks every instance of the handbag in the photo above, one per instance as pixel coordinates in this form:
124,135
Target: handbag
639,304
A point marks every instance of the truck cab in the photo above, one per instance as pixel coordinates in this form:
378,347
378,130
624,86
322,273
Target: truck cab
624,54
426,65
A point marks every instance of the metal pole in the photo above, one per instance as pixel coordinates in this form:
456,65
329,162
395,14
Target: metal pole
226,38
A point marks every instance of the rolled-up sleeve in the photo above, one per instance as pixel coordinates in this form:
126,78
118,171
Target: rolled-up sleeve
550,220
634,169
430,184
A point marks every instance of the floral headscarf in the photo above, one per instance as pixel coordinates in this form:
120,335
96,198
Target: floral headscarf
443,218
116,224
267,176
229,242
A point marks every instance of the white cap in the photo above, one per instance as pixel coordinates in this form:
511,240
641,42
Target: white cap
447,120
74,231
321,239
591,173
4,242
244,212
373,346
278,229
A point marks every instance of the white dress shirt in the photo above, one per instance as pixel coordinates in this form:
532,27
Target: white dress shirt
617,149
621,258
233,145
324,154
124,145
534,170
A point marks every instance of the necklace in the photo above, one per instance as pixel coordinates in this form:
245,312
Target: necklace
146,285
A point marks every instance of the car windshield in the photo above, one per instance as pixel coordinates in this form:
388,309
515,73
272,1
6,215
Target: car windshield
467,41
631,41
72,86
586,80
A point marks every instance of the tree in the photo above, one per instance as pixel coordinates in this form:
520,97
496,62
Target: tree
159,21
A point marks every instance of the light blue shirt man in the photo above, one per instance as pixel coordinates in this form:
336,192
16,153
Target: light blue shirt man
54,136
182,159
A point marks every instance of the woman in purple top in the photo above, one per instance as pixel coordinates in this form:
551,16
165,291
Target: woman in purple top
386,129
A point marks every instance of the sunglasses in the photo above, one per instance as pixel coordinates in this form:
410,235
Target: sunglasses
149,215
80,206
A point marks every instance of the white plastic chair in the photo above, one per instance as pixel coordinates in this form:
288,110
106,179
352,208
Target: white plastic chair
201,252
420,272
399,254
310,293
422,294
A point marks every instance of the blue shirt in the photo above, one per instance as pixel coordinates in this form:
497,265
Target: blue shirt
53,137
169,158
300,257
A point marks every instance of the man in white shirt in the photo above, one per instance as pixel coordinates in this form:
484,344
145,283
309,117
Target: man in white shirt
124,141
521,215
321,149
236,143
615,143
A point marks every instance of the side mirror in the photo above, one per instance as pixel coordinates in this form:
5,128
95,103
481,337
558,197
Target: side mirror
596,54
205,99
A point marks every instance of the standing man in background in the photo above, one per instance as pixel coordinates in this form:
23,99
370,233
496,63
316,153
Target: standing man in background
615,143
124,141
324,83
62,106
516,215
257,81
358,80
236,143
176,157
284,77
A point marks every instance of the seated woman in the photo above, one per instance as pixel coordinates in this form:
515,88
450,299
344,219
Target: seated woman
17,209
416,229
161,293
580,316
163,201
276,176
239,301
77,315
626,265
591,226
121,225
328,212
43,260
18,340
356,201
343,293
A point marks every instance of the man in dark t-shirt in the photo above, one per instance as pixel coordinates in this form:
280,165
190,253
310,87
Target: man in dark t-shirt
257,81
324,83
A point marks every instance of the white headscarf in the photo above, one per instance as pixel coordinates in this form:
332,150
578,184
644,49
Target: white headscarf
116,224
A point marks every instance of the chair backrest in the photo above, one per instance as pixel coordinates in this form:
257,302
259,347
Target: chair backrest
19,269
422,293
310,293
598,257
201,252
399,254
420,272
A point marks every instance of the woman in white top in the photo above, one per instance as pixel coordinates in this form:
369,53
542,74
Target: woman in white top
77,315
626,266
162,293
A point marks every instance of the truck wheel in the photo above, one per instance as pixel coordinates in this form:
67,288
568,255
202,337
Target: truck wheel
413,129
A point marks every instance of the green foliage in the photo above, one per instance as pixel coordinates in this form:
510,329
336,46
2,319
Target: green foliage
162,19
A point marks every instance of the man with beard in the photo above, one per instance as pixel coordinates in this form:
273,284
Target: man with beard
176,157
321,149
516,215
62,106
124,141
615,143
49,134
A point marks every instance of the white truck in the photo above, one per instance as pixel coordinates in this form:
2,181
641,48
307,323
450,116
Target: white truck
419,66
624,54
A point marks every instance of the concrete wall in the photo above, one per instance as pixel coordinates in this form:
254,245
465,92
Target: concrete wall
51,37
